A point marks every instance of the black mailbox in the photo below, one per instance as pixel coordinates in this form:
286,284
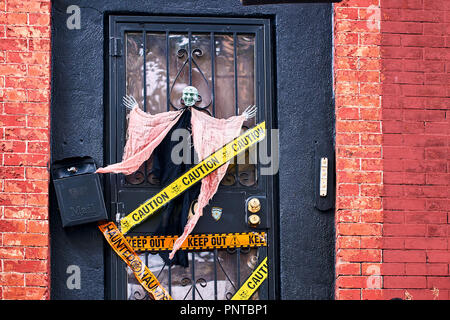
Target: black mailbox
78,190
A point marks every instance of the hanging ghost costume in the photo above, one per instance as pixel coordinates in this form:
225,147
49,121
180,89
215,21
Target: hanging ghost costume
174,214
148,132
209,134
145,132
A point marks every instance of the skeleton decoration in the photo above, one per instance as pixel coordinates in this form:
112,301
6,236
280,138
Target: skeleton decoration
150,134
190,96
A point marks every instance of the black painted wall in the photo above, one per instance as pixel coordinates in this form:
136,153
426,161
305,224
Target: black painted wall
302,37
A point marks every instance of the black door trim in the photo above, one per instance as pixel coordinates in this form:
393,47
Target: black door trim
115,277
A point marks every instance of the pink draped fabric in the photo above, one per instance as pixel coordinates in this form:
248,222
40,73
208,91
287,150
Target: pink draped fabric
145,132
209,134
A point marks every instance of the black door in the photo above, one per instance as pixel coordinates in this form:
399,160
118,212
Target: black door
228,60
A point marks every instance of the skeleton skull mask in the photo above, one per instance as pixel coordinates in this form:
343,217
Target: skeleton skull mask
190,96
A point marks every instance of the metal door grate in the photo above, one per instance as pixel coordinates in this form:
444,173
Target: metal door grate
212,275
228,60
220,65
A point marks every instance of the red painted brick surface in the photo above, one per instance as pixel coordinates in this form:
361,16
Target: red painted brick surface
392,72
24,148
416,122
392,67
358,87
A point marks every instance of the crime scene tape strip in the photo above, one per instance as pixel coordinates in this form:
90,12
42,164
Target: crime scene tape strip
145,277
194,175
253,282
199,241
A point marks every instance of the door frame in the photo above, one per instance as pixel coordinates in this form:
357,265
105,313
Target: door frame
115,276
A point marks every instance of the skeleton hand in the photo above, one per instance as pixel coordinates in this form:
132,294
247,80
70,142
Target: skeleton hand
129,102
250,112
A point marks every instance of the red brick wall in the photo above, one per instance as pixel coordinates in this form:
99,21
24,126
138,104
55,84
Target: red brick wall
392,67
392,120
24,148
416,132
359,214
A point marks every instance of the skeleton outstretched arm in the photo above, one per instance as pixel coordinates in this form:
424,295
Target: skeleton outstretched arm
250,112
129,102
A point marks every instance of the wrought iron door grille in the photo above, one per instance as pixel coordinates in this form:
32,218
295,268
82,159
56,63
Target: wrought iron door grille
221,65
212,275
228,60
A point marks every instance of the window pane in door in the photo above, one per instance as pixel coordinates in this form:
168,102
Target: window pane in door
246,74
246,96
156,73
224,76
135,86
135,67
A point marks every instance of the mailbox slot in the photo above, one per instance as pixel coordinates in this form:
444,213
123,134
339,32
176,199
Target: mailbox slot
78,191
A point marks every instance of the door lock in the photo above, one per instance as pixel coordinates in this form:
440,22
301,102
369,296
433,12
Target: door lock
254,205
254,220
256,212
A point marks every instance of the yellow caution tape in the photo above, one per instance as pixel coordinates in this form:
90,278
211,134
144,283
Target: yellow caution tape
194,175
145,277
199,241
253,282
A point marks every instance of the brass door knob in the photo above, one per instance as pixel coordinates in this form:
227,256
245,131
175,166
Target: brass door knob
254,205
254,220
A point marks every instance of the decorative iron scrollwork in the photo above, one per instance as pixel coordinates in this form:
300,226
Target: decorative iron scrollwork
189,57
137,295
191,62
